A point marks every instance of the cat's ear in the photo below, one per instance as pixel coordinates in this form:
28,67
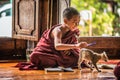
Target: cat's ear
105,55
104,52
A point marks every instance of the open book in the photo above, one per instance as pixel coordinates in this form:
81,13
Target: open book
59,69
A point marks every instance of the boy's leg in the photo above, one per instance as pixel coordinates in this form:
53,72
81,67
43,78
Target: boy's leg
43,60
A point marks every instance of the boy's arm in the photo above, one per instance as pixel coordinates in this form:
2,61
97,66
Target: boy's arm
57,35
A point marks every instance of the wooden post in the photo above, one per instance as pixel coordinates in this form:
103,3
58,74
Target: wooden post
90,28
30,47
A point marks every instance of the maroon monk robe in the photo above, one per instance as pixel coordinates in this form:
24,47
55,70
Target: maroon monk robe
116,71
45,54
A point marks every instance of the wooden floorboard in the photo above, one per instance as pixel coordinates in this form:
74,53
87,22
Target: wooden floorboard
9,72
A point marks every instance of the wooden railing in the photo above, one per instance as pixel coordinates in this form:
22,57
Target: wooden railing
109,44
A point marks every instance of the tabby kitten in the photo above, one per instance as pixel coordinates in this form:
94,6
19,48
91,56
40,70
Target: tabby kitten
91,57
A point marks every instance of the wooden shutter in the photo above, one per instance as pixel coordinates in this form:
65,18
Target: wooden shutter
32,17
25,19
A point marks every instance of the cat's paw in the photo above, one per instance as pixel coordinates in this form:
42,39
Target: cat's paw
79,68
99,70
91,69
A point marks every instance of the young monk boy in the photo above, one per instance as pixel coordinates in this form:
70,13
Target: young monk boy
58,46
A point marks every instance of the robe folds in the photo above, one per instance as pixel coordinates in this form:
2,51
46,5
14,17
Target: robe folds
45,55
116,71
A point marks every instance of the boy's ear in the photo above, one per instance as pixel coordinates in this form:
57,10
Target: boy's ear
65,20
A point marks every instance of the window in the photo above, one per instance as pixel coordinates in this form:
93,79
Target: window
98,17
6,20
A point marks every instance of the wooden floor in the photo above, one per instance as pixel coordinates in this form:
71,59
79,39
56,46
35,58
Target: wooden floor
9,72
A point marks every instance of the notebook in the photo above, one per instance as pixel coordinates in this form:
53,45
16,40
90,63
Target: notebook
59,69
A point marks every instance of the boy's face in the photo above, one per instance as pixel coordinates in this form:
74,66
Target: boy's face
73,22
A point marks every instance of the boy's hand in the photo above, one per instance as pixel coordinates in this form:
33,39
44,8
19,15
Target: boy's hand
82,44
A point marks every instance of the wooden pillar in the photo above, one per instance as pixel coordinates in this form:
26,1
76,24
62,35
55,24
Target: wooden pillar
90,28
30,47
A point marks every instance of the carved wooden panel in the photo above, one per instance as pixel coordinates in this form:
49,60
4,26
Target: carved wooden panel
32,17
25,19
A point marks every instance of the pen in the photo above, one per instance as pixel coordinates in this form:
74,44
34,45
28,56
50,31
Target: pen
93,43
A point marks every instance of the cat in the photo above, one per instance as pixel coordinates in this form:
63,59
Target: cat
91,57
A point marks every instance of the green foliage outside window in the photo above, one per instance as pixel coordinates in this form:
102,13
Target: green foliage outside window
102,18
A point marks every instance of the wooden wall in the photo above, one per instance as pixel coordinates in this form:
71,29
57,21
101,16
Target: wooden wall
12,49
109,44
